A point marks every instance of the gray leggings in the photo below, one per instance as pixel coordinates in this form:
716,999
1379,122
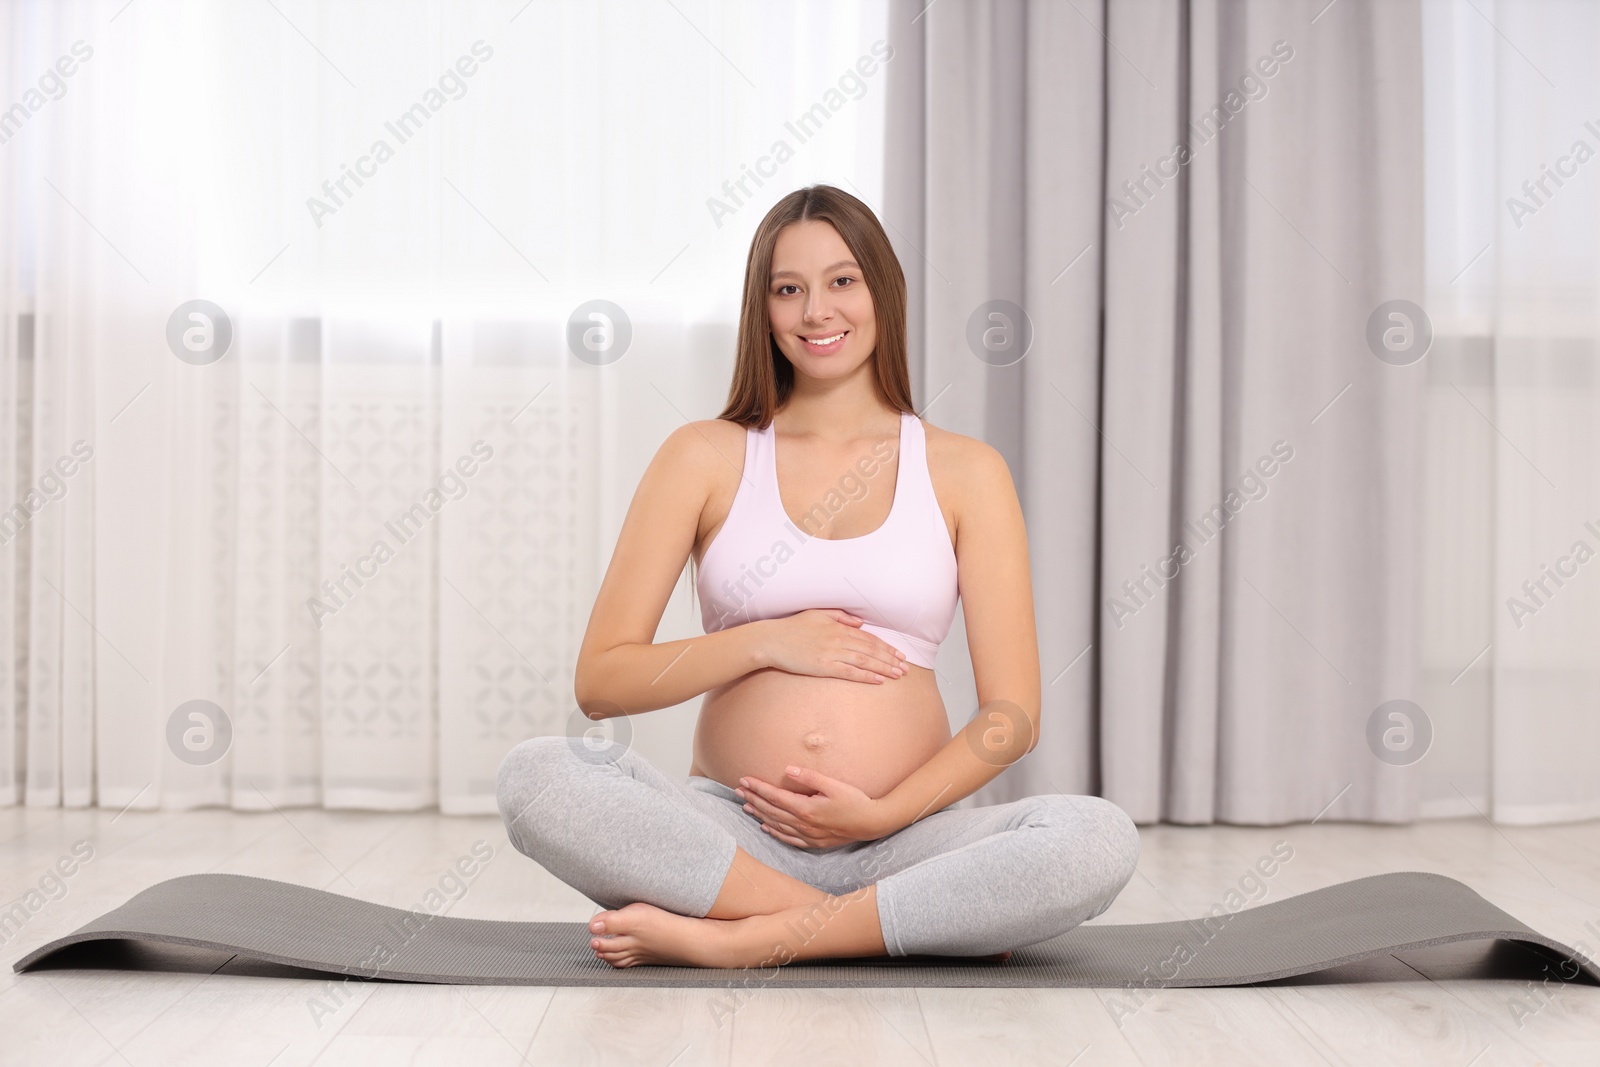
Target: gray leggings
958,882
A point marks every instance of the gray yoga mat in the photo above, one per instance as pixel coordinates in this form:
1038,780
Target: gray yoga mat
309,928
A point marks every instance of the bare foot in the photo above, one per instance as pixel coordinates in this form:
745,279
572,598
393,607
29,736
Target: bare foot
643,933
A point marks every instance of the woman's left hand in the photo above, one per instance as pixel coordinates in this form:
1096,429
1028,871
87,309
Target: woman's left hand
837,814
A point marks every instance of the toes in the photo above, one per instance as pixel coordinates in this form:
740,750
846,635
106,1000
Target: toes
615,955
623,921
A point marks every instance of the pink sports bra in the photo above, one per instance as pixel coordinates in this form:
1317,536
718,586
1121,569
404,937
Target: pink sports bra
900,578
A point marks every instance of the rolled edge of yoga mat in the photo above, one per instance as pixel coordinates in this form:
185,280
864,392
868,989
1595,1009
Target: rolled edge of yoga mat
298,926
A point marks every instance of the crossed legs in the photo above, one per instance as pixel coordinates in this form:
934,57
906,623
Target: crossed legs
822,927
686,877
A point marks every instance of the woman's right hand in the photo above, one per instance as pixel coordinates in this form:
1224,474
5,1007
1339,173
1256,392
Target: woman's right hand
829,643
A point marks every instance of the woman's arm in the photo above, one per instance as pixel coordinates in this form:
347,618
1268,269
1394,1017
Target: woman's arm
620,671
997,603
997,606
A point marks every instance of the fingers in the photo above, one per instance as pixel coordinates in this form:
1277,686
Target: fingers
764,809
783,801
788,828
821,788
865,660
868,660
886,649
880,651
780,815
897,666
800,835
866,657
808,777
777,825
776,811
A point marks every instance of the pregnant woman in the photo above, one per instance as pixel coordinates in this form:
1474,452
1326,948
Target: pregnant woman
833,531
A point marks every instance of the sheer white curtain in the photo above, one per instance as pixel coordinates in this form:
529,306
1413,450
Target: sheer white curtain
369,534
1513,422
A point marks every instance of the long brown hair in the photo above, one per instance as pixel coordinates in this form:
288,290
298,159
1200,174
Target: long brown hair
763,377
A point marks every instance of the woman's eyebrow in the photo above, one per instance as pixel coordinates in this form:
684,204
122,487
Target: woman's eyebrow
832,266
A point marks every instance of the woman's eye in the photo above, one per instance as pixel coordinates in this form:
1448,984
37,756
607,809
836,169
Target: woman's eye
780,291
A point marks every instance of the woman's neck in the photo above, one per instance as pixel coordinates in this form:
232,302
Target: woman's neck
836,414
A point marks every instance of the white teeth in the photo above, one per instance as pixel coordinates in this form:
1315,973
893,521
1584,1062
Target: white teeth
825,340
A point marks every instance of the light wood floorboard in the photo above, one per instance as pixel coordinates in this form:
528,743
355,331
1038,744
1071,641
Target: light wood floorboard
1433,1007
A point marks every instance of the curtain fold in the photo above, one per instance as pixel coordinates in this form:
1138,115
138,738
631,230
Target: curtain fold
1219,476
1514,400
346,557
1286,566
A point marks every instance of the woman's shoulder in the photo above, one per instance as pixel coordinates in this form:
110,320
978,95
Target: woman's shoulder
962,458
971,481
701,447
969,476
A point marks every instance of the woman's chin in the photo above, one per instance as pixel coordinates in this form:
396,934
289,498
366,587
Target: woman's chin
831,365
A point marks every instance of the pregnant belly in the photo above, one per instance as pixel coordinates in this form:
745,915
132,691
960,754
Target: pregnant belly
871,736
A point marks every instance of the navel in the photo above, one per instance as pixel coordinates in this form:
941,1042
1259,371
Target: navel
815,742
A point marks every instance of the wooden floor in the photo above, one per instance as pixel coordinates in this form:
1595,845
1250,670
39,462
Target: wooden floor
1432,1007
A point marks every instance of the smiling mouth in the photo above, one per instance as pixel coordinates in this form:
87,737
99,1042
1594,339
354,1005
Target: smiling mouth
825,342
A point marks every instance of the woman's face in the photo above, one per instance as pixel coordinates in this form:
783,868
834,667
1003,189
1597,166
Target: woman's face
817,293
